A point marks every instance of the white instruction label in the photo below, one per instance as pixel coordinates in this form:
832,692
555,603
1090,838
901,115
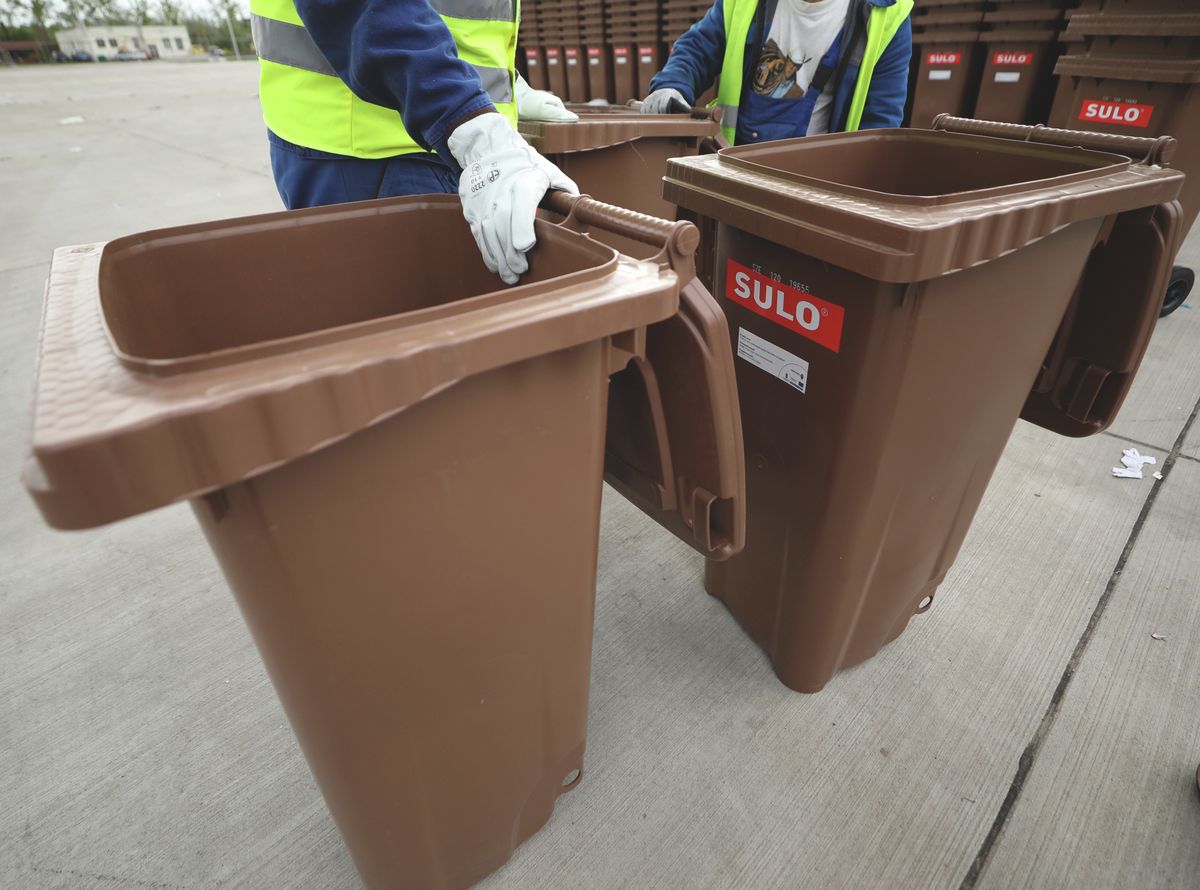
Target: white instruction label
941,74
1008,76
791,369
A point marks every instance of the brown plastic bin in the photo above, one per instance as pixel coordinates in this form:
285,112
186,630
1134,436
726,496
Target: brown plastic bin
535,67
619,155
893,297
1138,97
948,71
599,71
556,73
1018,75
397,463
575,65
625,77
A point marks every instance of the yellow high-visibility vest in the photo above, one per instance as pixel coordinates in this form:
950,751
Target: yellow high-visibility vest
306,103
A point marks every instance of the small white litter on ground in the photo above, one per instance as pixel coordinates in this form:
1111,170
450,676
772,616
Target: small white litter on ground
73,119
1158,637
1132,462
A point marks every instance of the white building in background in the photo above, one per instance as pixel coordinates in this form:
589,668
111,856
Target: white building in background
160,41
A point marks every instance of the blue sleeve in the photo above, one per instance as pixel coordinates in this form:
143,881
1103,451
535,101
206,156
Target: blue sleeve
696,60
889,83
399,54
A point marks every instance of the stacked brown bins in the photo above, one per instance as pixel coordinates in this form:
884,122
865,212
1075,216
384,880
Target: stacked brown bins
619,155
947,56
599,59
529,47
574,55
892,296
1134,68
678,17
398,464
635,33
1020,44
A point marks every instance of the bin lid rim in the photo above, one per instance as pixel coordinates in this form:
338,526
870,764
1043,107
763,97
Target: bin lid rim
96,419
740,156
1185,24
1135,68
904,242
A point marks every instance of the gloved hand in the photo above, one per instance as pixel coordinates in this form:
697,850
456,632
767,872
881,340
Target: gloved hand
538,105
503,181
665,102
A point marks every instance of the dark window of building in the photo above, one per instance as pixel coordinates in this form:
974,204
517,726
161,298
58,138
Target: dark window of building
100,42
112,41
178,43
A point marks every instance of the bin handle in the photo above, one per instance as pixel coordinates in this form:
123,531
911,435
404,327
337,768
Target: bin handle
1158,151
677,241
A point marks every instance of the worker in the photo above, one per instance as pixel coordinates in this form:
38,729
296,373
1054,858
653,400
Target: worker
378,98
783,67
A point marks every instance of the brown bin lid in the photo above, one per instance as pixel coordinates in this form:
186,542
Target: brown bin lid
1164,25
907,205
1021,35
940,37
1130,68
159,380
602,126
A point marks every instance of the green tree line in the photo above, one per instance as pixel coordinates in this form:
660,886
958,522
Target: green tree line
38,19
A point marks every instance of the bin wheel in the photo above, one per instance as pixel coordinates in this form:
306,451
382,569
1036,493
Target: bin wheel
1180,285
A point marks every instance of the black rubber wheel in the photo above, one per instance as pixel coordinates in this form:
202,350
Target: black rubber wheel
1178,288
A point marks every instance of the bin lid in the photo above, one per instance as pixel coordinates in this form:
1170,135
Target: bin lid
908,205
601,126
1164,25
1182,71
179,361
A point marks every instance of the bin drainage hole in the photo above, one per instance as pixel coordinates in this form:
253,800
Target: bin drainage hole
924,604
571,778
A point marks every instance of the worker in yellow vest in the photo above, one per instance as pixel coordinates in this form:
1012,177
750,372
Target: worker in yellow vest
377,98
792,67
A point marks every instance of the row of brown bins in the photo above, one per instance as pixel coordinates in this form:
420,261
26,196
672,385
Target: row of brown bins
398,463
1133,67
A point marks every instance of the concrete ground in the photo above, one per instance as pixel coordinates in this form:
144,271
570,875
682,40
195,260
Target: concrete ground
1039,728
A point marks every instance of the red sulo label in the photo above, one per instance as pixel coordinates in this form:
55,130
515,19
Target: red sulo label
572,53
1125,114
593,52
800,312
1012,59
620,50
943,58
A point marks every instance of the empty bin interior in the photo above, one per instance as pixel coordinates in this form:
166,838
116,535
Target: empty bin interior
196,290
922,167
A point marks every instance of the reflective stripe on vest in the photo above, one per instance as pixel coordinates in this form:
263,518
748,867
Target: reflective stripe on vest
882,25
288,44
306,103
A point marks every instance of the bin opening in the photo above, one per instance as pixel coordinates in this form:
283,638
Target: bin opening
175,296
919,166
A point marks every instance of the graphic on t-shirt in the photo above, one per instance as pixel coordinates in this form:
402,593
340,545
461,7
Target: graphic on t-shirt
776,74
801,32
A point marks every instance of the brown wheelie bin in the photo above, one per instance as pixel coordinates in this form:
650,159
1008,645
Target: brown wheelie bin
893,297
1138,73
397,462
619,155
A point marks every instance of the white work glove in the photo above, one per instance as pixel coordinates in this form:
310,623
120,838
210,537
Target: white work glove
538,105
503,181
665,102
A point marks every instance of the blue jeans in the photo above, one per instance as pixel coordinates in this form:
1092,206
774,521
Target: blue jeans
306,177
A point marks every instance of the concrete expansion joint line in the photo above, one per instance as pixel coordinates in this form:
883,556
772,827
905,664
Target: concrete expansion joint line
196,154
1029,755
